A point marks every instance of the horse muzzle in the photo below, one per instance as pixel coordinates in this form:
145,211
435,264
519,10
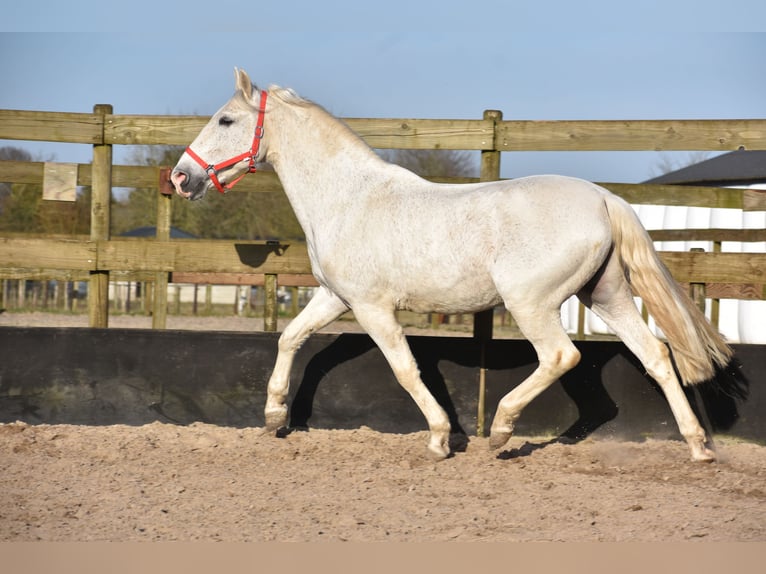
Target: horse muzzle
186,185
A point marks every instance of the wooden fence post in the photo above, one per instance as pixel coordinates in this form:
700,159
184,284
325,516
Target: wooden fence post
100,219
270,303
160,299
482,322
697,290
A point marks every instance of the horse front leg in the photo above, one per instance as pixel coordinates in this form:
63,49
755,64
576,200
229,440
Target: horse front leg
323,308
385,331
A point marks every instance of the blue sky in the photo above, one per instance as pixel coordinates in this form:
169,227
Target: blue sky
540,59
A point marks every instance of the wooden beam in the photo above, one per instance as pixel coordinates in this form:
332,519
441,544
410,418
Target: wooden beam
619,135
148,130
746,235
199,255
377,132
75,255
253,279
424,134
683,195
51,126
688,267
744,291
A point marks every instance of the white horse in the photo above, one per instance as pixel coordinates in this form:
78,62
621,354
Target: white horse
380,238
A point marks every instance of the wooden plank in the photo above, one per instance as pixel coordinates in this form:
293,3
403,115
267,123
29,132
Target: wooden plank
198,255
514,135
76,255
253,279
50,126
689,267
212,256
136,176
620,135
22,171
193,255
149,130
424,134
379,133
754,199
44,274
746,235
133,176
744,291
693,196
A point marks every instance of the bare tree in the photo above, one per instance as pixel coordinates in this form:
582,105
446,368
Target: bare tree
668,162
9,153
434,162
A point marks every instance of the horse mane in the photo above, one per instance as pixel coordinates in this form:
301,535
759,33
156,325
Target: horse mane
289,96
337,125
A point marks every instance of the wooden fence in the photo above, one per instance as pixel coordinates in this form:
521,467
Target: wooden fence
100,257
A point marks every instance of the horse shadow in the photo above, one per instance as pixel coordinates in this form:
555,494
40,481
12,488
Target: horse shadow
715,403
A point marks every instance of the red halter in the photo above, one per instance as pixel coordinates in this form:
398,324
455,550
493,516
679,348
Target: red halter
214,170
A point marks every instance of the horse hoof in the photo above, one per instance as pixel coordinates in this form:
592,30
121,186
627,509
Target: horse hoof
437,456
700,451
437,452
276,419
704,455
498,439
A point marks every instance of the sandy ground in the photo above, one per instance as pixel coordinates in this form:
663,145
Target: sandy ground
165,482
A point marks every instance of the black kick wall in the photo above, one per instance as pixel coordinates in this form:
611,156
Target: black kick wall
131,376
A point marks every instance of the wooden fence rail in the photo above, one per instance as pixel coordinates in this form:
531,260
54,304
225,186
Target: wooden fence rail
506,135
99,256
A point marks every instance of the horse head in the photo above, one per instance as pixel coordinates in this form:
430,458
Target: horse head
227,148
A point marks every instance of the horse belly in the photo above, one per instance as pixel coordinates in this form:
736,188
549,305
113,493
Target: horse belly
447,293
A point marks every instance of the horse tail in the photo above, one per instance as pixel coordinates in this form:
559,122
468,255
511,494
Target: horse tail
698,349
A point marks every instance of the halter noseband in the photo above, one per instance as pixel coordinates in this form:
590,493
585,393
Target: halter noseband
213,170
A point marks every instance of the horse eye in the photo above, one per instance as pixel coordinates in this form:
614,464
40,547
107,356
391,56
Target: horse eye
225,121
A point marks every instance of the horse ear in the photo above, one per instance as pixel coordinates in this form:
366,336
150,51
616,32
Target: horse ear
243,83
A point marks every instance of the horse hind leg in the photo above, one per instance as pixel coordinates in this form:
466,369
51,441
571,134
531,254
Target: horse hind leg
556,355
612,300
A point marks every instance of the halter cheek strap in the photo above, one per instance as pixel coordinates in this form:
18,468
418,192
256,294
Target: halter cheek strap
213,170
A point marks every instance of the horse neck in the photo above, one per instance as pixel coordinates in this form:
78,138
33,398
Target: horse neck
321,163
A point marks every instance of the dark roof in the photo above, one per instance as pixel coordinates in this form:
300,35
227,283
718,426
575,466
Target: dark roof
734,168
151,231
